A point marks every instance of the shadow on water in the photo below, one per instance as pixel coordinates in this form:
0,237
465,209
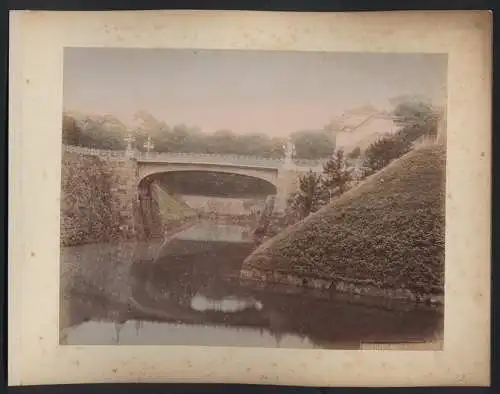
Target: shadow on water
189,292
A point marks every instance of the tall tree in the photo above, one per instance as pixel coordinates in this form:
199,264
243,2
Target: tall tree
148,126
382,152
102,132
416,113
311,195
276,149
417,118
337,174
222,141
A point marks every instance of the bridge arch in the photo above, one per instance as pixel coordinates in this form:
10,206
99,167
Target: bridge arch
147,170
243,182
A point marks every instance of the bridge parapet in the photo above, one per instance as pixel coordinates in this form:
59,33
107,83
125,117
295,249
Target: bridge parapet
209,155
209,158
227,159
103,153
205,158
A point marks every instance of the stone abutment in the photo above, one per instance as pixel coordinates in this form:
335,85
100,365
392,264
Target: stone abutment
107,195
99,199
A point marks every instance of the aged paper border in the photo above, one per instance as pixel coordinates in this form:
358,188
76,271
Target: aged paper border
37,41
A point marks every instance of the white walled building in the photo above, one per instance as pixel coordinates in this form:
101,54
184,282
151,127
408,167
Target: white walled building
361,127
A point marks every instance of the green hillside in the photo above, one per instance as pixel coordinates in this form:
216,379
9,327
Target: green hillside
387,232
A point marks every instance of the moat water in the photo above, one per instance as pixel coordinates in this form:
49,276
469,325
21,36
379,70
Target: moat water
186,291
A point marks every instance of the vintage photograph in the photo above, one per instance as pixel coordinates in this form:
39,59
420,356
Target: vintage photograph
271,199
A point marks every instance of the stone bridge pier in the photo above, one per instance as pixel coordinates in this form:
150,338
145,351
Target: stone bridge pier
149,211
286,184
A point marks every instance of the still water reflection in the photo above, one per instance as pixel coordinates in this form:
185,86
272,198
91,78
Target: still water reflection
153,333
189,293
213,232
227,304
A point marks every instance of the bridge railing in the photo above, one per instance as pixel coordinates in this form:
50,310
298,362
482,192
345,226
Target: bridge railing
212,158
95,152
232,158
205,157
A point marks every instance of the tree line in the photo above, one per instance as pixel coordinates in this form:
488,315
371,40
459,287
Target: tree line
413,115
107,132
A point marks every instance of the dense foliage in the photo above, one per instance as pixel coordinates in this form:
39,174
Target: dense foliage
104,132
415,116
316,190
107,132
417,119
337,174
382,152
313,144
415,111
388,231
311,195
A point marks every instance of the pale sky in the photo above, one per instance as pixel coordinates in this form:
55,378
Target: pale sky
244,91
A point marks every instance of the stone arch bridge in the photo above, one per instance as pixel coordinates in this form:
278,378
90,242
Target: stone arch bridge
128,174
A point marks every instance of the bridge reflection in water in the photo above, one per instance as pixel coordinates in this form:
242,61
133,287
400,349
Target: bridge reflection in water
190,294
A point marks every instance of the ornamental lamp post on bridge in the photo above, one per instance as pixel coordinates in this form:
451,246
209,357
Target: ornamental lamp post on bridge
149,145
289,148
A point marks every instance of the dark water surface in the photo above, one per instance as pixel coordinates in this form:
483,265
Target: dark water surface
186,291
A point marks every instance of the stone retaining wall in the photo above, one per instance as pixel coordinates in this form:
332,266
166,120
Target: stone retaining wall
98,198
341,285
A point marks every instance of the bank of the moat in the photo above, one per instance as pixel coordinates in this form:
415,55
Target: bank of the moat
367,289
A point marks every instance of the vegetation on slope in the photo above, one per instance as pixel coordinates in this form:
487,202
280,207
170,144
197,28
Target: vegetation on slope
171,208
387,232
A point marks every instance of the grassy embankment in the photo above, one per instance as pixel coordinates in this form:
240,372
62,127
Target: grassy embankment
383,237
174,212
